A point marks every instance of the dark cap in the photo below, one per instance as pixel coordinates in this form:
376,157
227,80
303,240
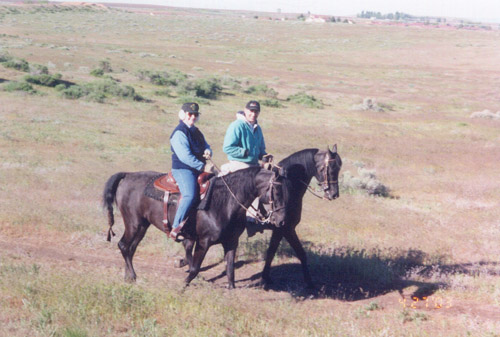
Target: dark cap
191,107
253,105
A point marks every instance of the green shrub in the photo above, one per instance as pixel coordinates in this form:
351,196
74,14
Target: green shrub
4,57
261,89
18,64
74,92
207,88
231,83
99,91
306,100
105,66
44,79
38,69
272,102
97,72
19,86
162,78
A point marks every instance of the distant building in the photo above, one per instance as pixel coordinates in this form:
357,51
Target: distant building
314,18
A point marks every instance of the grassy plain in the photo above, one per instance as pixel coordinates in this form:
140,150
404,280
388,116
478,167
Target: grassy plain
435,238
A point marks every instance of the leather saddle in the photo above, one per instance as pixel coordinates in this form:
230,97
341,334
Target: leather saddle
167,183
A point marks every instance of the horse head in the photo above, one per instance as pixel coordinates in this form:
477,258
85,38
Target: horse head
328,164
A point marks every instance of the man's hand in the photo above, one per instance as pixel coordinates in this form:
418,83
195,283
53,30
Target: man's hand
207,154
267,158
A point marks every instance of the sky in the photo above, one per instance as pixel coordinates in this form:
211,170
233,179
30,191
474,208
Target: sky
479,10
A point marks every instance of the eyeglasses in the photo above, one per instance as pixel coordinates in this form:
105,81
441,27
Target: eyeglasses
254,111
196,114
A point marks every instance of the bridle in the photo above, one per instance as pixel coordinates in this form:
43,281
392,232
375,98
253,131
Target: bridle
271,202
269,190
325,184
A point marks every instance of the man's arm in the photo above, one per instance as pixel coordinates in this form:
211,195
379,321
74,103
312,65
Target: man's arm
232,144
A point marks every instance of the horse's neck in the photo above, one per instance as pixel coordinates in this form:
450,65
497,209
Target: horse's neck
301,165
241,187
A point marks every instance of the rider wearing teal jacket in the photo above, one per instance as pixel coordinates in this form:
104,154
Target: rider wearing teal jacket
244,141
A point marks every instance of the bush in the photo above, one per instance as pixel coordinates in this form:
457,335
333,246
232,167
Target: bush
231,83
261,89
306,100
17,64
162,78
97,72
366,180
105,66
19,86
207,88
44,79
4,57
38,69
99,91
272,102
74,91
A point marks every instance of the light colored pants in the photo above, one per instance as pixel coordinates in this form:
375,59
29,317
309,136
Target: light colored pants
233,166
188,185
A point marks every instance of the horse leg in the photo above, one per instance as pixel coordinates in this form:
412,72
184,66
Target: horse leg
271,251
128,244
200,250
188,248
293,240
229,255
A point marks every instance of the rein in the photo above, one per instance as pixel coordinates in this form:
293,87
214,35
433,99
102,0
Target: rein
257,212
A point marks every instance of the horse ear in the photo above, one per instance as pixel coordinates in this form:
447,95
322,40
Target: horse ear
334,149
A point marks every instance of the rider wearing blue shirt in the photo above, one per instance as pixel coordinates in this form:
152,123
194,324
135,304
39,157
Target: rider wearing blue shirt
189,153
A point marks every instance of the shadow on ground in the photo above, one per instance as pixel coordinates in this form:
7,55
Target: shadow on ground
351,275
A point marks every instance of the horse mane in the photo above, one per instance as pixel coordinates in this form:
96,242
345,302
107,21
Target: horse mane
300,164
240,182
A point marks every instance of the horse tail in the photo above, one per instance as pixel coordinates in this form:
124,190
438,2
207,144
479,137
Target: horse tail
109,197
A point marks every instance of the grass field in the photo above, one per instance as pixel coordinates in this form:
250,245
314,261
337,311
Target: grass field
421,261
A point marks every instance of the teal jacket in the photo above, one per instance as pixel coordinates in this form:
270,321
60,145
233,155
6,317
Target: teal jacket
243,138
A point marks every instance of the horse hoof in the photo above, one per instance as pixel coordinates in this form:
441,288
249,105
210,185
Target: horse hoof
130,279
180,262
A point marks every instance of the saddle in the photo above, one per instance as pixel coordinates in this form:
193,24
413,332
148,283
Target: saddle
168,184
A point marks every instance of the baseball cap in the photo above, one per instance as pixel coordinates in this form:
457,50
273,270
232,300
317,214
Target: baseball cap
253,105
191,107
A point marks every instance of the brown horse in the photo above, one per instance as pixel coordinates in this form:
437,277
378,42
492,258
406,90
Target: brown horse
222,221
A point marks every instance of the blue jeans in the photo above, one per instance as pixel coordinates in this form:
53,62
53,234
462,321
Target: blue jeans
188,185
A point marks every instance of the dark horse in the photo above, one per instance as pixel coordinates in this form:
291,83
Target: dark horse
222,222
300,167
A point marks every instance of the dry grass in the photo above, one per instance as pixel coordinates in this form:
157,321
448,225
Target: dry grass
436,235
